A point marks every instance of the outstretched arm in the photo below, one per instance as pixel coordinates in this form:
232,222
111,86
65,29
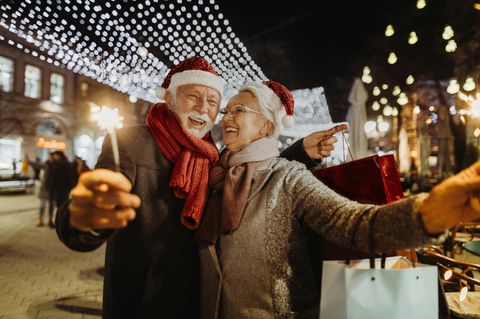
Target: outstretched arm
402,224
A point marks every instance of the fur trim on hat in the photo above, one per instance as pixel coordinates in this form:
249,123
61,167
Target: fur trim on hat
194,70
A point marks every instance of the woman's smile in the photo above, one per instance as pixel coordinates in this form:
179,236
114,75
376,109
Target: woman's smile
230,129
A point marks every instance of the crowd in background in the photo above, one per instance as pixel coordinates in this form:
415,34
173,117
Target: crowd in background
57,177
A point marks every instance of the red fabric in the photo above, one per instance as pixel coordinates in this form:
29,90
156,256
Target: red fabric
192,158
369,180
284,94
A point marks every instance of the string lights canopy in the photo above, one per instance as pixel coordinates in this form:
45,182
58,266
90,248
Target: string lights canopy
124,44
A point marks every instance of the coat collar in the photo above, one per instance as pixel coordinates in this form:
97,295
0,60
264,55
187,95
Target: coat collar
260,178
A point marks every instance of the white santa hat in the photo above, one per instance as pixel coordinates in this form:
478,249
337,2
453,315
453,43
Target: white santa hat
276,103
193,70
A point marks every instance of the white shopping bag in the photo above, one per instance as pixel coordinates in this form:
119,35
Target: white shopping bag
399,291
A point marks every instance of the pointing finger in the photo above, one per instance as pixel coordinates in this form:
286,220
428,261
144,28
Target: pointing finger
341,127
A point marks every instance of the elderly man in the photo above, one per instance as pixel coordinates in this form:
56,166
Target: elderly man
148,211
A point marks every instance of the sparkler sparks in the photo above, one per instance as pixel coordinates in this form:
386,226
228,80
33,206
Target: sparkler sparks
108,119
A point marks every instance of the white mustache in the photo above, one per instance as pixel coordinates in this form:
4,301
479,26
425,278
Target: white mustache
203,117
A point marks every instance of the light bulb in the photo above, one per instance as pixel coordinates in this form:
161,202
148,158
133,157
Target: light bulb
469,84
453,87
410,79
421,4
369,126
463,293
389,31
451,46
392,58
448,33
412,39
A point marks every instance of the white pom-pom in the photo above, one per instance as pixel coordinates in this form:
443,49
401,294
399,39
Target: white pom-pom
288,121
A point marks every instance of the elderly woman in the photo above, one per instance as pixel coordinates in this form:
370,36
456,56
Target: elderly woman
254,259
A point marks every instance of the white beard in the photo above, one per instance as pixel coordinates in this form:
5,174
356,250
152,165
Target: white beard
197,132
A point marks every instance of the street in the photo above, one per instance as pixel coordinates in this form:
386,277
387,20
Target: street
39,276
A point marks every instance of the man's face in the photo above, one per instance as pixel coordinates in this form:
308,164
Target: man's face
197,107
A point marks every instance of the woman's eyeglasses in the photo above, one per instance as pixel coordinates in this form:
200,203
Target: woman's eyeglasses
238,110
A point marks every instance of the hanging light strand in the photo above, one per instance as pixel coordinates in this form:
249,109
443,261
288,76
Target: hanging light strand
116,43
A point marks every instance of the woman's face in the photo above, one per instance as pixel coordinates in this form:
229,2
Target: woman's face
242,128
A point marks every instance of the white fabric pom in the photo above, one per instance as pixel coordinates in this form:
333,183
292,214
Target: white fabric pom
288,121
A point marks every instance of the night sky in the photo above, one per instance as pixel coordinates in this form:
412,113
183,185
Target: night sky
307,43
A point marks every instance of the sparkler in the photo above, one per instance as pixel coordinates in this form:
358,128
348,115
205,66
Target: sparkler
109,119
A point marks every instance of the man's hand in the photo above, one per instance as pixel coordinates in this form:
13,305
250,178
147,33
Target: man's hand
320,144
452,201
101,200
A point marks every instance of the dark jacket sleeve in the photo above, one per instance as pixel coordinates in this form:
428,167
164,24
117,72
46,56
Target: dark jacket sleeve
86,241
296,152
74,238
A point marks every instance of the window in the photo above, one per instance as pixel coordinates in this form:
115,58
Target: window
85,148
10,150
33,76
56,88
6,74
49,128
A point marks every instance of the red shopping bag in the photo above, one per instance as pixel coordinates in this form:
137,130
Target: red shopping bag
370,180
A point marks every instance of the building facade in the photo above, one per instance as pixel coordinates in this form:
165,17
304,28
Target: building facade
45,108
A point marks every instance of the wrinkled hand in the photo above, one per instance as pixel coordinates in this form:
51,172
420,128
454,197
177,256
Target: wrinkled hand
453,201
320,144
101,200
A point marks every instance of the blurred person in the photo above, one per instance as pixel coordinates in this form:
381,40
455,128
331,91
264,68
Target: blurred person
254,259
62,179
147,212
80,166
37,166
14,167
43,192
25,165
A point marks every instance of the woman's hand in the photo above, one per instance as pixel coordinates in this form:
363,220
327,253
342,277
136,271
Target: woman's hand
453,201
319,145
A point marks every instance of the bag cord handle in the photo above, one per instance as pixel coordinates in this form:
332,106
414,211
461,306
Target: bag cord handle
371,245
345,142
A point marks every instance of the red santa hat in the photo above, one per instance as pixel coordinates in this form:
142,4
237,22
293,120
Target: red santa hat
276,103
193,70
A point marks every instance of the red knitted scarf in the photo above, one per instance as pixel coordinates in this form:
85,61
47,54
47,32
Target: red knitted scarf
192,158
